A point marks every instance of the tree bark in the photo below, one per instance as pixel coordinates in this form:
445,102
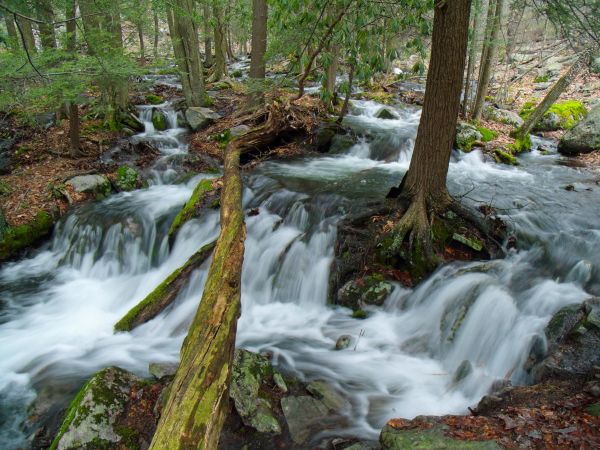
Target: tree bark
330,76
71,25
13,35
230,53
344,110
140,31
208,56
471,59
198,400
156,34
424,185
488,61
186,47
44,12
553,95
73,109
259,48
220,45
28,39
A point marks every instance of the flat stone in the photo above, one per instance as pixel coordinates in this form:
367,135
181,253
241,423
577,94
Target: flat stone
324,392
90,183
302,415
198,117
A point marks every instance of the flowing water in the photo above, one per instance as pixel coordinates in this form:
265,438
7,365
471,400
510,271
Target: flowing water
59,306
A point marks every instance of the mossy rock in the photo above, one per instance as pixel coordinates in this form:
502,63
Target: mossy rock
562,115
505,158
370,290
466,136
521,144
91,419
127,178
18,238
487,135
159,120
154,99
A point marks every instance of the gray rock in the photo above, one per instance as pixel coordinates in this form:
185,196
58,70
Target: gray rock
303,415
542,86
343,342
162,370
239,130
386,114
369,290
502,116
198,117
95,184
332,399
549,122
466,136
250,371
584,137
91,419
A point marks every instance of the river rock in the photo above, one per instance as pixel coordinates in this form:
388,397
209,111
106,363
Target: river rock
466,136
370,290
573,340
425,433
325,135
502,116
303,415
162,370
386,113
463,371
159,120
584,137
92,184
332,399
129,120
91,420
198,117
343,342
251,373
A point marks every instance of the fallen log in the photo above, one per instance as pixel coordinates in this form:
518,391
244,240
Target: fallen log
164,294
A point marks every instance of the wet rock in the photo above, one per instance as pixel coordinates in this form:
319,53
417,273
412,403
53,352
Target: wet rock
466,136
463,371
370,290
505,158
127,178
502,116
386,114
129,120
584,137
549,122
91,184
425,433
332,399
91,420
325,134
15,239
303,415
239,130
198,117
159,120
251,372
162,370
341,143
343,342
573,339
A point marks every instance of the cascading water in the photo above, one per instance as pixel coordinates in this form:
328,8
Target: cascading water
58,308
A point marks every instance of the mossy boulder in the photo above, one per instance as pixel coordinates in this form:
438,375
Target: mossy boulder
487,135
561,115
127,179
154,99
130,121
251,381
502,116
91,184
15,239
505,157
386,114
91,421
159,120
466,136
425,433
584,137
369,290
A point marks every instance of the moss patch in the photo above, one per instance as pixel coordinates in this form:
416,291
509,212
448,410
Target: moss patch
521,144
505,157
568,111
189,209
487,135
127,178
23,236
154,99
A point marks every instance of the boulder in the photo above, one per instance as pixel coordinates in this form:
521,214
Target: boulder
343,342
91,184
542,86
425,433
572,340
129,120
584,137
386,114
159,120
325,135
92,419
252,373
502,116
304,416
45,120
370,290
198,117
466,136
127,178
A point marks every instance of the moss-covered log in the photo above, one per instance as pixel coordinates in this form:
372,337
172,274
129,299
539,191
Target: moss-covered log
189,209
164,294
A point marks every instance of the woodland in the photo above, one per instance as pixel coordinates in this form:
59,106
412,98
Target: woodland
290,224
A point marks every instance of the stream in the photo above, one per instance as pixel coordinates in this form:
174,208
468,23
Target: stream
58,307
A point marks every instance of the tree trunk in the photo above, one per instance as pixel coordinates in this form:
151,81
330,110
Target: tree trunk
45,13
13,35
198,399
220,45
344,110
487,63
91,24
424,185
259,47
514,21
553,95
330,77
71,13
186,47
208,56
230,53
140,31
26,30
156,34
73,109
471,60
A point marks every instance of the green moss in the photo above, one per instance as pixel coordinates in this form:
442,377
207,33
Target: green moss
223,138
237,74
570,112
527,109
154,99
23,236
129,437
593,410
521,144
360,314
487,135
189,209
4,188
380,97
127,178
541,78
505,157
69,415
